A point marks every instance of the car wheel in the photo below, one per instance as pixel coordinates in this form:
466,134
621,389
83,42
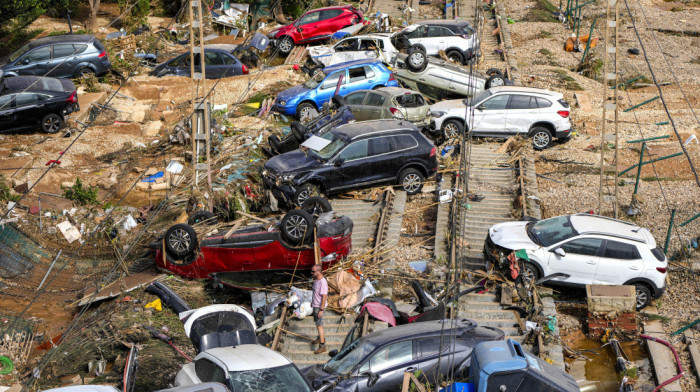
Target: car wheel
51,123
493,71
286,45
530,273
411,180
541,138
313,71
297,226
298,130
304,192
316,205
338,101
180,240
202,216
84,72
456,56
643,296
417,60
495,80
306,112
452,129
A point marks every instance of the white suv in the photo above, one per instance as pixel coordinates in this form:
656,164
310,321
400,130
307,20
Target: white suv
504,111
456,37
586,249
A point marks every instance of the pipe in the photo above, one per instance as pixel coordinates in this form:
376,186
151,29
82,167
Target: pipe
675,355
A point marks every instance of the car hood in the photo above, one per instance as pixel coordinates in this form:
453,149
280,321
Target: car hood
316,372
447,106
291,93
276,33
291,162
511,235
322,50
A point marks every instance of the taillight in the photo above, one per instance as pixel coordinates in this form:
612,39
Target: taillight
396,113
73,97
391,77
244,69
433,152
661,269
103,54
563,113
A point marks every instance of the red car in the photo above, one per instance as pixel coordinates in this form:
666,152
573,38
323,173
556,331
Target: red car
315,25
255,257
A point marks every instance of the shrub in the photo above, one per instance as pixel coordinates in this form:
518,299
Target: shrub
80,195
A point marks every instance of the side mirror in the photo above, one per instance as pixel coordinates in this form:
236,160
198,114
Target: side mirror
560,252
480,107
372,378
25,61
339,162
332,353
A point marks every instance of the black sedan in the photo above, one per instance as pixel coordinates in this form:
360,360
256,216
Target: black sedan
218,60
30,102
378,361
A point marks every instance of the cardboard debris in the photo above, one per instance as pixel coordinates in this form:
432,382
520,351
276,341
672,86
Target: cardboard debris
69,231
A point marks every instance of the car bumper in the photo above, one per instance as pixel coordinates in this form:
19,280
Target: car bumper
659,291
74,108
280,191
563,134
288,110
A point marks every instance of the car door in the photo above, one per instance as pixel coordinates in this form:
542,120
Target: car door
369,49
351,166
419,36
437,38
214,63
7,116
490,116
345,50
231,65
29,109
375,107
325,91
389,364
308,25
208,371
521,113
359,78
580,262
35,62
619,262
355,101
327,26
385,160
64,61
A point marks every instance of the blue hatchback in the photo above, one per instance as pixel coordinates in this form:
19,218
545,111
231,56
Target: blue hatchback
302,101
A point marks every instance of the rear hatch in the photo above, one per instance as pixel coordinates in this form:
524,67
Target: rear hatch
219,326
412,106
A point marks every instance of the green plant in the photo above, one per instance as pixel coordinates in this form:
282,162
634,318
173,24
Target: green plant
137,15
545,52
6,193
542,12
21,37
573,85
545,34
79,194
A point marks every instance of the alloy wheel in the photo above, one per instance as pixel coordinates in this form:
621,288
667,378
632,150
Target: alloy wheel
417,59
286,45
642,298
307,114
411,183
528,274
52,124
451,131
296,226
540,140
180,240
497,82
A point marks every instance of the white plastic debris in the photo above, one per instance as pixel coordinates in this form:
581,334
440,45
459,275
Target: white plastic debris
445,195
174,167
690,139
129,223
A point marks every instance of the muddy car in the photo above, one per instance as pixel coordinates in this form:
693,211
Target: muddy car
30,102
258,255
390,103
357,47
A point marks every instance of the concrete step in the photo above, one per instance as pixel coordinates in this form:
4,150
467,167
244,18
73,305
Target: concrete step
492,314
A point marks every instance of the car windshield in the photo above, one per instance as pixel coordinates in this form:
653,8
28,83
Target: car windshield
551,231
327,152
315,80
349,357
278,379
482,96
14,56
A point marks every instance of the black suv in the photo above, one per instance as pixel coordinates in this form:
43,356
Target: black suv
29,102
353,156
59,56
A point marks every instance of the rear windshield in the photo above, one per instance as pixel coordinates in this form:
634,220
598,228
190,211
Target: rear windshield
658,253
563,103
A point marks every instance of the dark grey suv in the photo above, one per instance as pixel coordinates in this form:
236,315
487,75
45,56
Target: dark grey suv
59,56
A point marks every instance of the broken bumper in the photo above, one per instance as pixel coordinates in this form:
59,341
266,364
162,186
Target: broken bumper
563,134
280,191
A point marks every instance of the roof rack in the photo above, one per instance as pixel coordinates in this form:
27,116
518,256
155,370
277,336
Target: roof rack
604,217
608,234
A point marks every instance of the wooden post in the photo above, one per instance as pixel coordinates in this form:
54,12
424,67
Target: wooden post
317,250
365,324
280,328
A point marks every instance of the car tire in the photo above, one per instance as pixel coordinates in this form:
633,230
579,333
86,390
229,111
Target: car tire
305,111
51,123
298,131
541,138
338,101
180,240
411,181
314,70
530,272
286,44
84,72
274,142
203,216
452,128
316,205
493,71
495,80
642,296
304,192
456,56
297,226
417,59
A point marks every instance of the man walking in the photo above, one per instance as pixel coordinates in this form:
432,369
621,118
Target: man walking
318,303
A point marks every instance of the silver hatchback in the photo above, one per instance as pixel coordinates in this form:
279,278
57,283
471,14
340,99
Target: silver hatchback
389,103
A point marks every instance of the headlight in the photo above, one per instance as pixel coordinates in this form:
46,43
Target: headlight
283,103
437,114
329,258
287,178
264,172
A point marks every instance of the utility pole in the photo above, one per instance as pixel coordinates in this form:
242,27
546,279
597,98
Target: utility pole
608,160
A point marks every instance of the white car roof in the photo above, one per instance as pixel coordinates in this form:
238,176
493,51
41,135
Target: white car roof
588,223
247,357
197,313
526,90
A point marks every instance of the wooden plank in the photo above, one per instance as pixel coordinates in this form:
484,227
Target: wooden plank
236,224
252,217
584,101
278,332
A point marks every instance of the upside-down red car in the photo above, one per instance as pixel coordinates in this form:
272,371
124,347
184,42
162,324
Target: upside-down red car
315,25
256,256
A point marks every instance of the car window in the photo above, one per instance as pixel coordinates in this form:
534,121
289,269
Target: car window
357,74
375,99
498,102
371,44
410,100
5,102
212,58
419,32
356,150
208,371
63,50
180,60
78,48
346,45
403,142
381,145
311,17
25,99
327,14
15,55
355,98
282,378
369,72
553,230
522,102
466,29
432,345
40,54
332,81
583,246
438,31
228,59
620,250
392,355
543,103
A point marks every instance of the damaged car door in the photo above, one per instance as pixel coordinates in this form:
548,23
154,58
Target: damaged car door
577,258
388,365
350,164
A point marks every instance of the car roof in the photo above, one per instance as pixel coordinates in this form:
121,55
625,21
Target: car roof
393,91
443,22
248,357
334,7
365,128
416,330
526,90
16,84
61,39
336,67
224,47
596,224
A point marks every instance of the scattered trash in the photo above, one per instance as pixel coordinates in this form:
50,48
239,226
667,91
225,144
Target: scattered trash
153,177
129,223
69,231
174,167
419,266
156,304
